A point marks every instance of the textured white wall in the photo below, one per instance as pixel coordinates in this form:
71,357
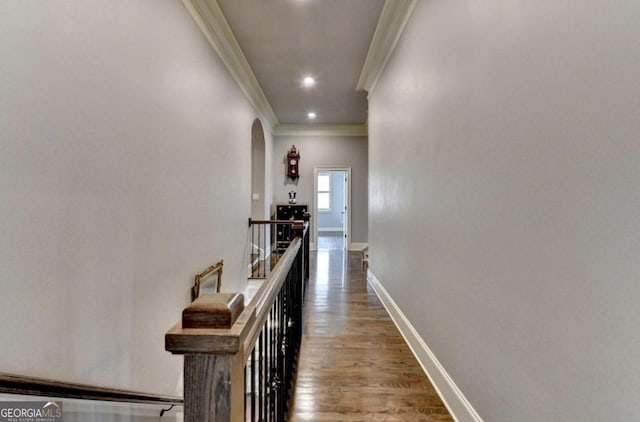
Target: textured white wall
504,198
125,155
316,151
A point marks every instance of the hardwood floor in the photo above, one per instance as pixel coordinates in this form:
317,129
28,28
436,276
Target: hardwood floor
354,364
331,240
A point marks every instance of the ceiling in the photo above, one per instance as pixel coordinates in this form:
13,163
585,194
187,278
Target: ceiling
285,40
270,46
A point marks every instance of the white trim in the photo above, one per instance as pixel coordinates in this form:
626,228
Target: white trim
330,229
347,217
458,405
321,130
393,19
358,246
216,29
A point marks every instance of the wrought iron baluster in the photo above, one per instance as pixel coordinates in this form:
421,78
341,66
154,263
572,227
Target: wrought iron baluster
261,386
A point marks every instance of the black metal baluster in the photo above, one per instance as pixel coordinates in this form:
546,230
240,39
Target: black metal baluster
263,245
253,384
251,251
267,378
288,338
276,379
280,357
277,365
270,386
279,238
259,245
260,378
281,362
274,367
245,393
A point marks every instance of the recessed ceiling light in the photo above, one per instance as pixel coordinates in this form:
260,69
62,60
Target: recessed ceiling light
308,81
311,115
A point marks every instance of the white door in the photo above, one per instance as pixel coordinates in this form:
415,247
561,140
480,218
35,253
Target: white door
332,207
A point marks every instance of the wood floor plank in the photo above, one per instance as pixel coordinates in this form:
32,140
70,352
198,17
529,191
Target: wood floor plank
354,364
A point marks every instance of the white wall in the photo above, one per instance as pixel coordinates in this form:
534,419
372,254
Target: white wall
504,198
125,156
317,151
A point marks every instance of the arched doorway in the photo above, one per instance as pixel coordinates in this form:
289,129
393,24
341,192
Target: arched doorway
257,171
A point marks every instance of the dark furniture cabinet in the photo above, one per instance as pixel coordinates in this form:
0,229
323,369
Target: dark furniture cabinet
284,234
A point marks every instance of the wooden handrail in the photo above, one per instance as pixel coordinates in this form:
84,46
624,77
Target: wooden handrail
251,221
17,384
179,340
218,335
305,217
266,294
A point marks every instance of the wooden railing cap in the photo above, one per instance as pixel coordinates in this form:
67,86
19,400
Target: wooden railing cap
205,333
219,310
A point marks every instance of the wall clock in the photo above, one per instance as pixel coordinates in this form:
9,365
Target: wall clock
293,160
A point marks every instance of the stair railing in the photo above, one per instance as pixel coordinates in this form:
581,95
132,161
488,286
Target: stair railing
239,361
74,401
268,239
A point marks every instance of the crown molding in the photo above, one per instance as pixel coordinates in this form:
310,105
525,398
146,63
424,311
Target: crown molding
393,19
216,29
321,130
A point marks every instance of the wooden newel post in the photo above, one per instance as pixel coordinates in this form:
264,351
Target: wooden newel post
298,228
210,335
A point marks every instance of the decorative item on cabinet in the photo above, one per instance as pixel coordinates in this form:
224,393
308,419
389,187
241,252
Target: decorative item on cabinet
293,159
284,233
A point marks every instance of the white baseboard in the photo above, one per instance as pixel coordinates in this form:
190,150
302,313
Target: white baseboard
458,405
357,246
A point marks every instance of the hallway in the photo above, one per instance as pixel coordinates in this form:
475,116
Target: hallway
354,364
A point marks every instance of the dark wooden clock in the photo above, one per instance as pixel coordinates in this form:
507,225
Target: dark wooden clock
293,159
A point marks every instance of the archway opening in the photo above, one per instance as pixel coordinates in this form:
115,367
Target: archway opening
258,179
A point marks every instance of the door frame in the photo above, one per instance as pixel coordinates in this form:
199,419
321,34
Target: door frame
347,216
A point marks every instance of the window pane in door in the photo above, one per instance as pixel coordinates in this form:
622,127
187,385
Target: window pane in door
323,200
324,183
